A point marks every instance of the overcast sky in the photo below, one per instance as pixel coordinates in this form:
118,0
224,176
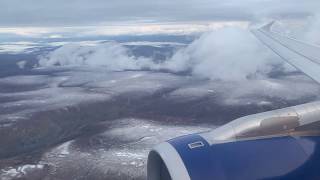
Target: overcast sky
34,17
97,12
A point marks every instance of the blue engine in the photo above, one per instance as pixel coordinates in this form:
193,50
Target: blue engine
281,144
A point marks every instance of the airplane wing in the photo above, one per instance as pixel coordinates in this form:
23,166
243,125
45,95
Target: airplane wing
303,56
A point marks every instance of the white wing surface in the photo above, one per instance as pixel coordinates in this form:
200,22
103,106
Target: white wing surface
303,56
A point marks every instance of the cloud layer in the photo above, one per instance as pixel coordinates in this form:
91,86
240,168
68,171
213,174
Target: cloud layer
229,53
93,12
311,33
226,53
111,55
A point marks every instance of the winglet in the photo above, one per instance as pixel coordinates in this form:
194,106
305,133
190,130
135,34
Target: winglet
268,26
301,55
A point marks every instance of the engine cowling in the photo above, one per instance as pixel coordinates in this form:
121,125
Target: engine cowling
277,144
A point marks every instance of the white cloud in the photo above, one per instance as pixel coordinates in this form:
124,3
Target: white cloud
17,47
229,53
311,33
21,64
226,52
111,55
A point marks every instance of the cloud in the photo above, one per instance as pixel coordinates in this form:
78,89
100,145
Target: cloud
229,53
98,12
116,29
311,33
21,64
111,55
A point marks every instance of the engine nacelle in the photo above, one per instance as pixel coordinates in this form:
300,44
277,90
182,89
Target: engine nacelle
277,144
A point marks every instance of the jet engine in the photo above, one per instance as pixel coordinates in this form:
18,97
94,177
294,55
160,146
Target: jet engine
280,144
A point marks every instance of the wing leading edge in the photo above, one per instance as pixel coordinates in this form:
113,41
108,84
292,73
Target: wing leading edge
303,56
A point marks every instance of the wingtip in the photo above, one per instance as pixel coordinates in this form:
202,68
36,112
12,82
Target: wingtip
268,26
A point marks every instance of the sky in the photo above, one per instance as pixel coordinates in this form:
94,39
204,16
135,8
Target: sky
210,19
38,17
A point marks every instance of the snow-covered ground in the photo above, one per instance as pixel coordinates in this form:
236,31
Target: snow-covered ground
52,108
93,121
